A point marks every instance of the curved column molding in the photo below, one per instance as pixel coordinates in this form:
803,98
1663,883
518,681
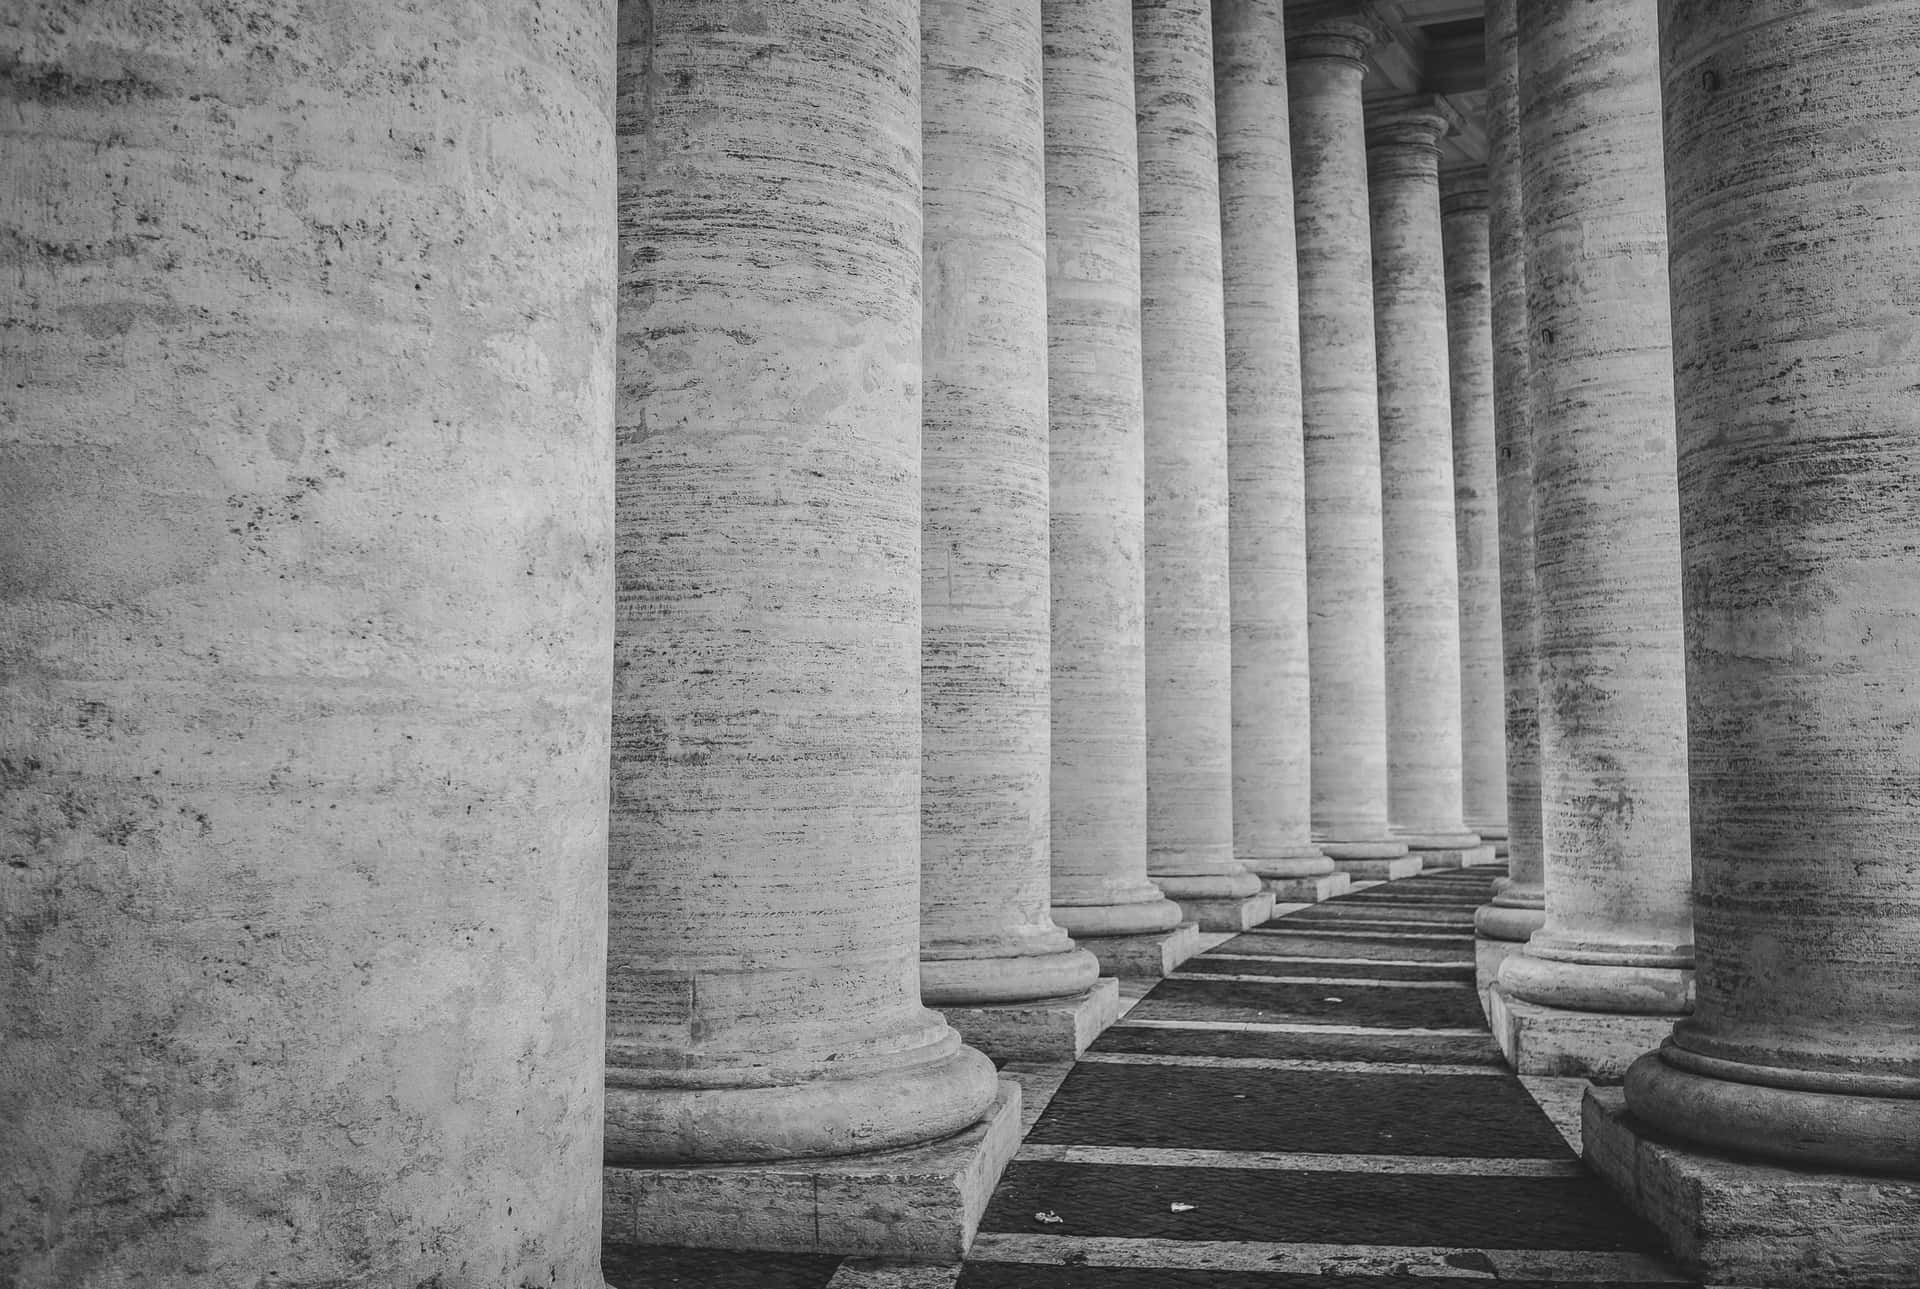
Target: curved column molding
1800,510
1346,616
1184,379
1421,576
307,485
985,932
1518,907
763,983
1097,465
1483,759
1272,741
1618,935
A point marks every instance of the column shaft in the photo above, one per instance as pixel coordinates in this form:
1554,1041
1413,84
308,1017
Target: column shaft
985,933
1421,573
1272,730
305,462
1795,351
764,984
1519,908
1183,366
1096,456
1346,617
1476,517
1606,540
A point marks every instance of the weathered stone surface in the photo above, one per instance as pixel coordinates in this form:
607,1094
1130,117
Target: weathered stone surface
1422,581
1272,730
1613,746
1184,379
1229,914
1043,1029
921,1202
763,979
1800,499
1143,956
1476,515
1308,890
1099,823
1518,908
1346,618
1738,1222
985,882
1567,1042
305,468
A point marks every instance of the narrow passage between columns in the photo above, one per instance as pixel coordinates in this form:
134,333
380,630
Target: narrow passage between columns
1313,1104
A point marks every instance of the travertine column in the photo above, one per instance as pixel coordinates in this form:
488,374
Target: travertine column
1272,740
1519,904
1476,517
306,475
1422,578
763,984
1795,349
985,934
1184,378
1100,885
1613,746
1346,619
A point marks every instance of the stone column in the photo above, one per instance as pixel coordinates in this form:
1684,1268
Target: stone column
306,468
763,983
1266,501
1346,617
1618,936
1101,893
1795,350
1422,579
1519,904
1476,518
1184,379
986,938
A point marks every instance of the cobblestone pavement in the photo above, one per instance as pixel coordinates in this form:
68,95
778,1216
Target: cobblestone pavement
1314,1104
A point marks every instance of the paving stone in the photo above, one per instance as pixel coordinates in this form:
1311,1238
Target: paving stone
1387,1049
657,1267
1026,1275
1342,970
1211,1108
1316,1207
1383,1005
1354,944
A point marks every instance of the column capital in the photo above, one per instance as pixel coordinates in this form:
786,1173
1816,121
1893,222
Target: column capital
1342,30
1463,188
1409,121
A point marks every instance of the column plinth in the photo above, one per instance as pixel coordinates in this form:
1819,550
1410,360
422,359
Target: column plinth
1346,616
1799,475
1420,567
985,932
763,978
1272,742
1097,489
1518,907
1617,936
1184,383
306,473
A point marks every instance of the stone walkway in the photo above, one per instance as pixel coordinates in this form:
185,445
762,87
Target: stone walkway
1316,1104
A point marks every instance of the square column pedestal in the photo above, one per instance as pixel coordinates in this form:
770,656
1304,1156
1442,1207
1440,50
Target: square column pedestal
1759,1225
1229,915
1308,890
923,1203
1048,1029
1379,870
1570,1044
1147,957
1456,857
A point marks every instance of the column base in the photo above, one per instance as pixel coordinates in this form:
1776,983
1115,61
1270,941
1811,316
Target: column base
1308,890
1045,1029
1147,957
1381,870
1455,856
1511,923
1732,1222
1571,1044
1229,914
1293,864
922,1203
1488,954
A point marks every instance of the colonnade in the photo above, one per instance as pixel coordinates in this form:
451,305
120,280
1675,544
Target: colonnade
1036,492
